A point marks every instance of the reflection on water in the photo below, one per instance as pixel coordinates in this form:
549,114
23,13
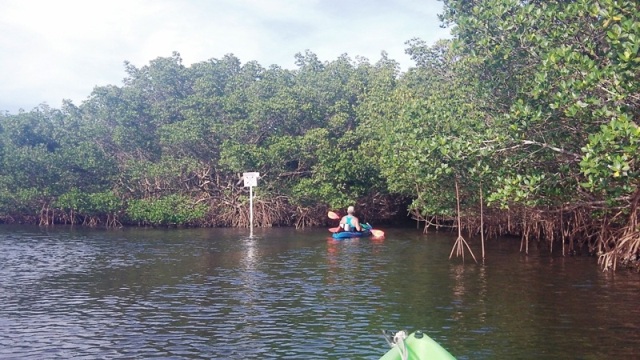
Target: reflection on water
283,293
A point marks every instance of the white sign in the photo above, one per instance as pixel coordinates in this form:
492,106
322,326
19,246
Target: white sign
251,179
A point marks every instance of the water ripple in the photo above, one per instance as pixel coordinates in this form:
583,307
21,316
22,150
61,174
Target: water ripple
219,294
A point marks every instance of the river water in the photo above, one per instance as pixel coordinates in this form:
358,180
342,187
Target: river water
293,294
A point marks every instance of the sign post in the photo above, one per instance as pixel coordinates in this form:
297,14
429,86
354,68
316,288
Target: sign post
251,180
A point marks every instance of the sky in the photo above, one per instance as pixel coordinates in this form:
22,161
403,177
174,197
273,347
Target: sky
52,50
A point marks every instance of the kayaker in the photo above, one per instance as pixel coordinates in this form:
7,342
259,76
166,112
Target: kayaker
350,222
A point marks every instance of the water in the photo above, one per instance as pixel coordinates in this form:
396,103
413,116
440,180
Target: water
288,294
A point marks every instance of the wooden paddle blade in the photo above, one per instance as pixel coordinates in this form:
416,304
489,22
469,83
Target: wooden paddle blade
377,233
333,215
334,230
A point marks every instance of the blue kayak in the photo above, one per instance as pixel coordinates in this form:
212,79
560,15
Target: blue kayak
366,231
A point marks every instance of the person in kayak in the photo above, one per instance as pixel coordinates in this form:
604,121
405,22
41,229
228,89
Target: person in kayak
350,222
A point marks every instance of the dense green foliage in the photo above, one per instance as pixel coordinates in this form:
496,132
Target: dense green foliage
169,210
531,111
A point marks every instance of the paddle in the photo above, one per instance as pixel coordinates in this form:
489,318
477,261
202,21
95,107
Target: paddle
334,216
377,233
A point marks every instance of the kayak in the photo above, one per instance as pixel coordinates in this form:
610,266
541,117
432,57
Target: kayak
366,231
417,346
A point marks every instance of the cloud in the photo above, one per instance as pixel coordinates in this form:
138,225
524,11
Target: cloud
54,50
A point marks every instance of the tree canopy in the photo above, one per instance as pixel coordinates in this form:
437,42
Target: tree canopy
527,118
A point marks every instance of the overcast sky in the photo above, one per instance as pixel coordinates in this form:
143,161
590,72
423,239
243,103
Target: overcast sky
52,50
